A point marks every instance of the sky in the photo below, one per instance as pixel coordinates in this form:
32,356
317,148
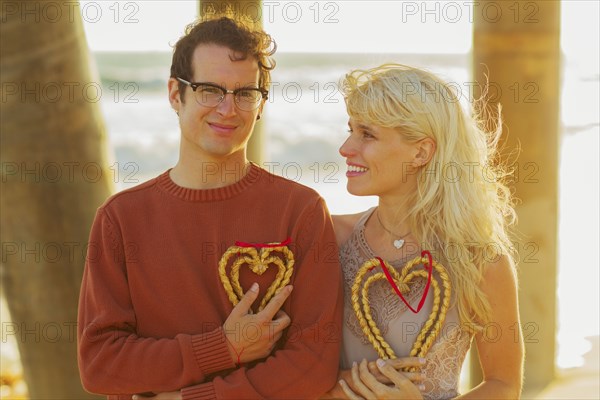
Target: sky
333,26
298,26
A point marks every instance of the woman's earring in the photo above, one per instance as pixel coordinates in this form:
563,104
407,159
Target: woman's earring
258,117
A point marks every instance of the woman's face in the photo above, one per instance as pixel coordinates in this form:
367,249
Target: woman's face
380,161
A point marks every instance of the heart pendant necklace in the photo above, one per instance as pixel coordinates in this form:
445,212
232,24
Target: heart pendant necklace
398,243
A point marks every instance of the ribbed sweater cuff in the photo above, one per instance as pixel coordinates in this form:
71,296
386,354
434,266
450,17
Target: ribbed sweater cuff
199,392
211,352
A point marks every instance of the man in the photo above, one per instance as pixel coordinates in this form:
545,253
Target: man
154,313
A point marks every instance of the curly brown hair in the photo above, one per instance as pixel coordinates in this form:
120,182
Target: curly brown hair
234,34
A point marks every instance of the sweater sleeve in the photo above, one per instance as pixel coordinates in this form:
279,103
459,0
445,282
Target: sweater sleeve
112,358
306,365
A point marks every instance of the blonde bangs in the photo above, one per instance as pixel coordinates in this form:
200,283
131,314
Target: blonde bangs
372,97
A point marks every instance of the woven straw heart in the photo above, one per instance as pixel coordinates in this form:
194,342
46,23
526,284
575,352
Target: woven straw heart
431,329
258,262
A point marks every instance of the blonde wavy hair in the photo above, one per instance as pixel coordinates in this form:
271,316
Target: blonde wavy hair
468,211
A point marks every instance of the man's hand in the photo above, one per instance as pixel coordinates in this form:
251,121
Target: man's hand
252,336
160,396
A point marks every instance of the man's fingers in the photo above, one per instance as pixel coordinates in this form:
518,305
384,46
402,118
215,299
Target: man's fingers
281,321
281,315
274,338
275,330
276,302
246,301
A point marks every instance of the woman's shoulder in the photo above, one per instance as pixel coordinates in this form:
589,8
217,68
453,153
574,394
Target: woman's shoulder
498,275
344,225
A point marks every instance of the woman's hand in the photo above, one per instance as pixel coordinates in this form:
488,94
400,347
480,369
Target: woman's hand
369,387
398,364
345,375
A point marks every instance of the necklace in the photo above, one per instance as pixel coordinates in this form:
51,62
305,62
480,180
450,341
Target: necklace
398,243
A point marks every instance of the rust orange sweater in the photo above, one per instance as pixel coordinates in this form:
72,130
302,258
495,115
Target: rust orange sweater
152,305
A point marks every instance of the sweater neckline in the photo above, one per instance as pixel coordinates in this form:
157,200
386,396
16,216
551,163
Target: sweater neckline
166,184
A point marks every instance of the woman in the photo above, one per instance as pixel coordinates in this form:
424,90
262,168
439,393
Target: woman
432,166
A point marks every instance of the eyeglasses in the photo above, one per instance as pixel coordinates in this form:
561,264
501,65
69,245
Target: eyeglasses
211,95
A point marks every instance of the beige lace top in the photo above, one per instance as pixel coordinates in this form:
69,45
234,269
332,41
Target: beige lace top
399,325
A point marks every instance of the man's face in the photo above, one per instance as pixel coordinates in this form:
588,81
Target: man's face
219,133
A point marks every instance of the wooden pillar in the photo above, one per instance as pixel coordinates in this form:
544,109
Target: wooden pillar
517,44
54,176
250,11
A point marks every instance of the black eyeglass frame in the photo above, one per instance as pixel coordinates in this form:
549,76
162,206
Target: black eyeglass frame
195,85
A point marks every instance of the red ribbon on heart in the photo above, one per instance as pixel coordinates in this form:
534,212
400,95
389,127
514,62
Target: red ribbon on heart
264,245
391,281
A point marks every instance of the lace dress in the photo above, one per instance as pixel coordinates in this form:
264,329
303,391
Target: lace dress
399,325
